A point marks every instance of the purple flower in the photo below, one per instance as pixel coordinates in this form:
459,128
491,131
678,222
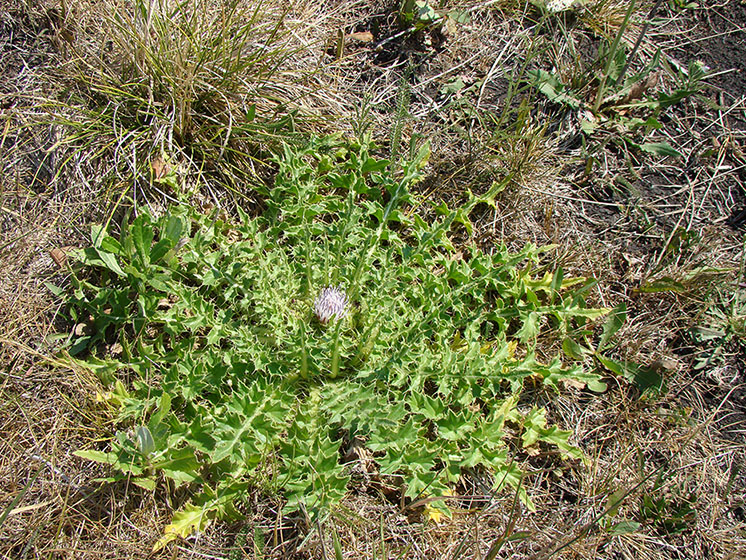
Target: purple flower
331,302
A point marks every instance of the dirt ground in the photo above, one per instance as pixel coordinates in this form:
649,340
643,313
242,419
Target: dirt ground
630,221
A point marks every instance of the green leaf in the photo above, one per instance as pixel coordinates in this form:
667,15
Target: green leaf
574,350
644,377
588,127
145,443
664,284
101,258
97,456
420,160
98,232
142,237
56,291
174,230
460,16
453,86
615,321
555,91
660,149
181,466
556,283
431,408
160,249
111,245
337,547
596,385
530,327
624,528
372,165
490,196
614,501
146,483
230,434
454,427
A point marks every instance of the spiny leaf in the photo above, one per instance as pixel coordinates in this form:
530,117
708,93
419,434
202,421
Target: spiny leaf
189,520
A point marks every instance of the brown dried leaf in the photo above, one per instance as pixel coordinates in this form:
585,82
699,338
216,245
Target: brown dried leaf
159,167
638,90
59,257
362,36
574,383
532,451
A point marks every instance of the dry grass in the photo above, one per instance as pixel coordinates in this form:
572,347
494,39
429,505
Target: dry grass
685,447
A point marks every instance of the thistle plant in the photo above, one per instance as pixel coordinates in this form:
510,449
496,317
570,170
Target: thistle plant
242,355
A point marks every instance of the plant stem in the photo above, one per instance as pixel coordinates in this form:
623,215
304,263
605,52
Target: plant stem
304,352
335,353
612,55
643,32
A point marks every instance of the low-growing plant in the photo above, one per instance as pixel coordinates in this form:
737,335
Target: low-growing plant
417,15
248,353
611,101
668,512
723,324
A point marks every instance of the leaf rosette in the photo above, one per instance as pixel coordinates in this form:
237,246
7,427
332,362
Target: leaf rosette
246,366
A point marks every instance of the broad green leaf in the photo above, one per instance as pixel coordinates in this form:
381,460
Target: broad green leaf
232,432
574,350
146,483
181,466
160,249
98,232
642,376
550,86
614,501
660,149
111,245
431,408
97,456
596,385
105,370
624,528
454,426
101,258
615,321
164,406
142,236
145,443
664,284
173,230
56,291
372,165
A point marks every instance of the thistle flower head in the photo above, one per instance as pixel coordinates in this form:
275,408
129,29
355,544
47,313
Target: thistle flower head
331,302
